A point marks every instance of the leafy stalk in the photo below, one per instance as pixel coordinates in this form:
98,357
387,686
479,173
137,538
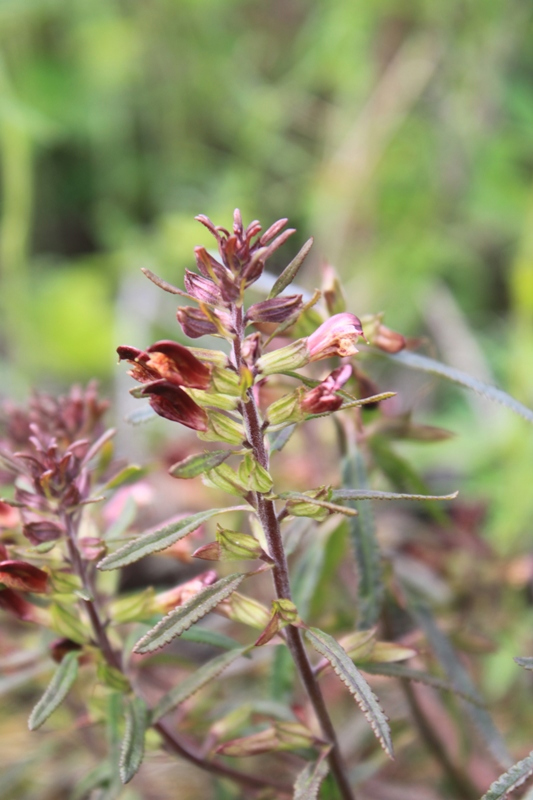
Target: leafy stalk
271,527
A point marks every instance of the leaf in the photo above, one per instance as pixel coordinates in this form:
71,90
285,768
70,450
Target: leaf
57,690
416,361
403,477
370,589
279,441
66,622
394,670
195,465
160,539
193,683
291,270
308,781
459,677
346,670
132,751
510,780
369,494
127,475
526,662
181,618
141,415
212,638
97,778
314,501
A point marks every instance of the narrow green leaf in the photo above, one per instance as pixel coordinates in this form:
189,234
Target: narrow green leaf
526,662
416,361
401,474
279,441
394,670
346,670
458,676
160,539
369,494
141,415
212,638
309,780
66,621
193,683
510,780
181,618
195,465
291,270
315,501
127,475
97,778
57,690
362,529
132,751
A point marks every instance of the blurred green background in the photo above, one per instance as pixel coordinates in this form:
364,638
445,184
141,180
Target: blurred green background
399,134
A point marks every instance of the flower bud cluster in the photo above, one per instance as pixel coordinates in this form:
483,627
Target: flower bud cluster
46,452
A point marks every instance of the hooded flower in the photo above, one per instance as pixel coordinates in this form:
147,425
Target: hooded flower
168,361
19,576
323,398
335,337
164,368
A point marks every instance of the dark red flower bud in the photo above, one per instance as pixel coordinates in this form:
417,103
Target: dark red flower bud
45,531
387,340
202,289
23,576
60,647
15,604
195,322
173,403
322,398
277,309
274,229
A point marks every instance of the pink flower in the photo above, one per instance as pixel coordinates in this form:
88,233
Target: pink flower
335,337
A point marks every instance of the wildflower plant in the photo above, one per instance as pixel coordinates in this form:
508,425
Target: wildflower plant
284,361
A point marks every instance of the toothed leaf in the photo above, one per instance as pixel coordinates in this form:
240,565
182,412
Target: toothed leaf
181,618
346,670
57,690
132,750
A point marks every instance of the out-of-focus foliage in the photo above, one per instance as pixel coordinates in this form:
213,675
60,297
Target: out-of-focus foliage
398,134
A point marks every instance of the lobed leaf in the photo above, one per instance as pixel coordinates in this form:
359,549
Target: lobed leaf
181,618
510,780
160,539
193,683
132,751
346,670
416,361
58,688
291,270
195,465
309,780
